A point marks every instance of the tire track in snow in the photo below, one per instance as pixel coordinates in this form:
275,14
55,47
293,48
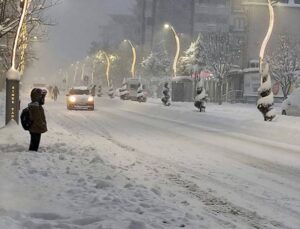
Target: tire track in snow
102,131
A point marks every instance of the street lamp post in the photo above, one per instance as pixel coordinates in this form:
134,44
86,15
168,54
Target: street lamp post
168,26
13,76
133,58
266,100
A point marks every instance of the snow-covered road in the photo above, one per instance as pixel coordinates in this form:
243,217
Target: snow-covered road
220,161
225,168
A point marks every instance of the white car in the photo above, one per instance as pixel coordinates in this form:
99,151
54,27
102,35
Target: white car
80,98
291,106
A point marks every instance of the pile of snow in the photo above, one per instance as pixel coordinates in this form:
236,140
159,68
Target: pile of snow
12,137
67,186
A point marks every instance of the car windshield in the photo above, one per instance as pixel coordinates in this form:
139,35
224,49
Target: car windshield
79,92
134,86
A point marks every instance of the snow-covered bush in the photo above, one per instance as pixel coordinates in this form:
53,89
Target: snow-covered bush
201,92
266,100
123,90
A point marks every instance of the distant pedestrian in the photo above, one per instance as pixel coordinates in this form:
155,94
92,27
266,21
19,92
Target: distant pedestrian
55,93
93,90
50,91
37,116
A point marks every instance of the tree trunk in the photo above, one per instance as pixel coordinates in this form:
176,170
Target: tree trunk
219,92
227,90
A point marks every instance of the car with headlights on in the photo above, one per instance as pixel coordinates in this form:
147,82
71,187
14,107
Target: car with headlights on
80,98
291,106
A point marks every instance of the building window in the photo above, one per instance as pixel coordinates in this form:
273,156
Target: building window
239,24
297,1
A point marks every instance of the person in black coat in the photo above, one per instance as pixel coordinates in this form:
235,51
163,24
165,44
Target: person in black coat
38,118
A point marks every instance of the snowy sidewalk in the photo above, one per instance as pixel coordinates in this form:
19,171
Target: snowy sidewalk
67,185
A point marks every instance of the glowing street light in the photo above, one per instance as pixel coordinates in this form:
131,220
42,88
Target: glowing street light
168,26
269,33
13,75
133,58
107,67
109,59
266,100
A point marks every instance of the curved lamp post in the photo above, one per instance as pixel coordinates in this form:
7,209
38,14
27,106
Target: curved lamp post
133,58
269,33
265,102
168,26
13,76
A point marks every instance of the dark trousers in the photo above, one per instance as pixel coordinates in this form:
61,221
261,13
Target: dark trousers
34,141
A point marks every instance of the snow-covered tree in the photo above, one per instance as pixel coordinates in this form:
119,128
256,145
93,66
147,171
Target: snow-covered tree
284,63
194,58
123,90
111,91
31,30
266,100
222,51
201,92
166,95
200,98
158,62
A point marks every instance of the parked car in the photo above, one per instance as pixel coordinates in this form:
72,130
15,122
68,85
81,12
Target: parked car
80,98
132,86
291,106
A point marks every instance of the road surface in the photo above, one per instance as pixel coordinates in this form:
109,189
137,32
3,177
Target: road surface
243,172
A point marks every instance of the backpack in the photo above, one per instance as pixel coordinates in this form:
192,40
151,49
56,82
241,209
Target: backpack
25,119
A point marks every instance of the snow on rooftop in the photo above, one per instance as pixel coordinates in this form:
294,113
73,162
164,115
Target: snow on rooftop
179,78
13,74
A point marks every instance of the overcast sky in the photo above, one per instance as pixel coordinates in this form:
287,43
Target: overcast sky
77,26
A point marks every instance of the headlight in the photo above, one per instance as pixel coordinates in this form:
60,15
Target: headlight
90,99
72,99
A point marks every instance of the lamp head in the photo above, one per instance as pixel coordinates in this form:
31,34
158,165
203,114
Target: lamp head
167,26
